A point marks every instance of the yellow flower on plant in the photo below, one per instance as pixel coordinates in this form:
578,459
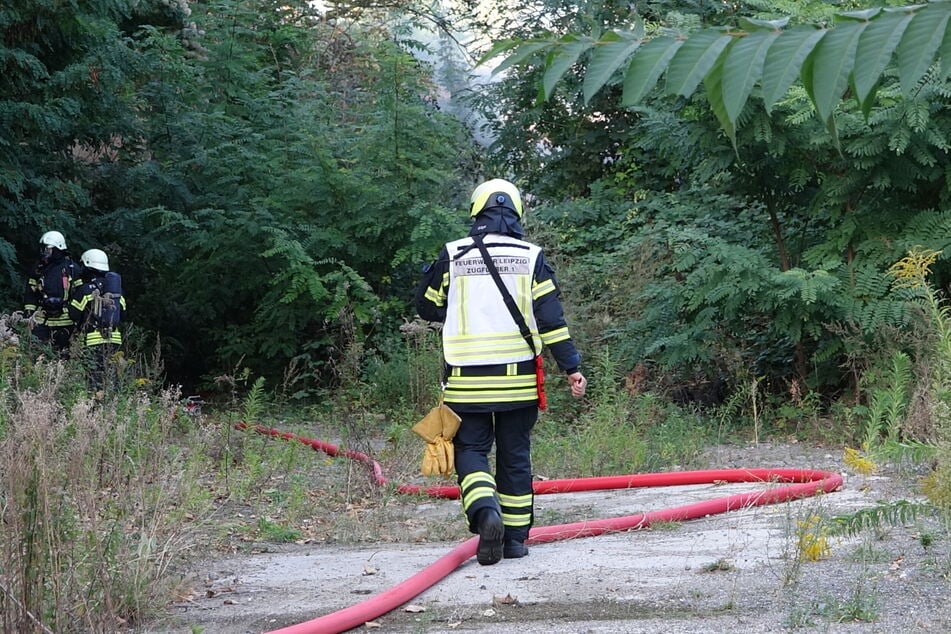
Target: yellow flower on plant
854,459
813,544
911,270
937,487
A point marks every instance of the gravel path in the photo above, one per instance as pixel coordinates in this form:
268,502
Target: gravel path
737,571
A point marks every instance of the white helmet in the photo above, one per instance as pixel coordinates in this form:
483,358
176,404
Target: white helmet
95,259
495,193
53,239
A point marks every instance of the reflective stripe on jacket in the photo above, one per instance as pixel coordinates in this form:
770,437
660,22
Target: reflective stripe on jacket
507,383
80,308
48,291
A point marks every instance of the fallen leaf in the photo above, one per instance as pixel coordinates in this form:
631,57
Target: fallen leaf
186,595
506,600
414,608
368,570
230,602
371,624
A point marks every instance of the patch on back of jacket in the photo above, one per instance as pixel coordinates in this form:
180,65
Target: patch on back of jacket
506,265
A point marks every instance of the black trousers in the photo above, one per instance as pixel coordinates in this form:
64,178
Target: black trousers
100,369
58,337
510,432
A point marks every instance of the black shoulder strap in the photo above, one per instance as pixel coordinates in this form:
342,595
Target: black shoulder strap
506,296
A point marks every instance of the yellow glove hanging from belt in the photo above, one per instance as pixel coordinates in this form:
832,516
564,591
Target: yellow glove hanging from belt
438,428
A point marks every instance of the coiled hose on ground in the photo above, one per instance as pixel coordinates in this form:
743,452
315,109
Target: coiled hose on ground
795,484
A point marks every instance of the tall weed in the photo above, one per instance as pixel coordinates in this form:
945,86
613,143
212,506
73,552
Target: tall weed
889,391
90,499
405,377
888,403
618,432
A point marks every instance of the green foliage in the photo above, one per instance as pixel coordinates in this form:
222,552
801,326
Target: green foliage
861,606
257,174
768,260
254,402
675,437
604,440
887,404
67,105
268,181
937,485
881,515
92,497
826,58
272,532
617,432
313,191
404,379
698,275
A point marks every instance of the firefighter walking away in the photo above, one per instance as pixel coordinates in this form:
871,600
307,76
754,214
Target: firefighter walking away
500,304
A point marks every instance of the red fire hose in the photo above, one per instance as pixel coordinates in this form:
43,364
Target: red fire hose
796,483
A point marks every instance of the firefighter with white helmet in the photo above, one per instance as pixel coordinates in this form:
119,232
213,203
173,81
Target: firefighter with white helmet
500,304
98,305
47,293
53,239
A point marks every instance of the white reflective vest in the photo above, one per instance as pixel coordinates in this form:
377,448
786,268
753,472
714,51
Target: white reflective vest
479,330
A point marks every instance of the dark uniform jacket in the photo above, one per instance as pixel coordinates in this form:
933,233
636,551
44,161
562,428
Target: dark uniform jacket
48,290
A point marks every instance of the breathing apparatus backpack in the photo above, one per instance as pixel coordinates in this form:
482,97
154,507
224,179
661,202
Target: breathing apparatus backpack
54,289
106,309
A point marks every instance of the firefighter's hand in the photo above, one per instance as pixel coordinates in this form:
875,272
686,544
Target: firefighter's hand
578,384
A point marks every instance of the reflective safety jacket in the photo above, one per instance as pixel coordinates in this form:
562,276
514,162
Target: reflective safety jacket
48,290
489,365
82,308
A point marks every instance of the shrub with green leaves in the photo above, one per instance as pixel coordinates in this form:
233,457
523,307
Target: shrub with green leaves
762,252
615,431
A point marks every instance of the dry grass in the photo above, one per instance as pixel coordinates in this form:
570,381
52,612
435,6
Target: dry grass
100,499
87,495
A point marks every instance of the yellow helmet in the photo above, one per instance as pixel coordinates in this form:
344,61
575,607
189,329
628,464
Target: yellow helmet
495,193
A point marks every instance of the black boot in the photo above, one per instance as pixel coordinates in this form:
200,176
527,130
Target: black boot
491,532
514,549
